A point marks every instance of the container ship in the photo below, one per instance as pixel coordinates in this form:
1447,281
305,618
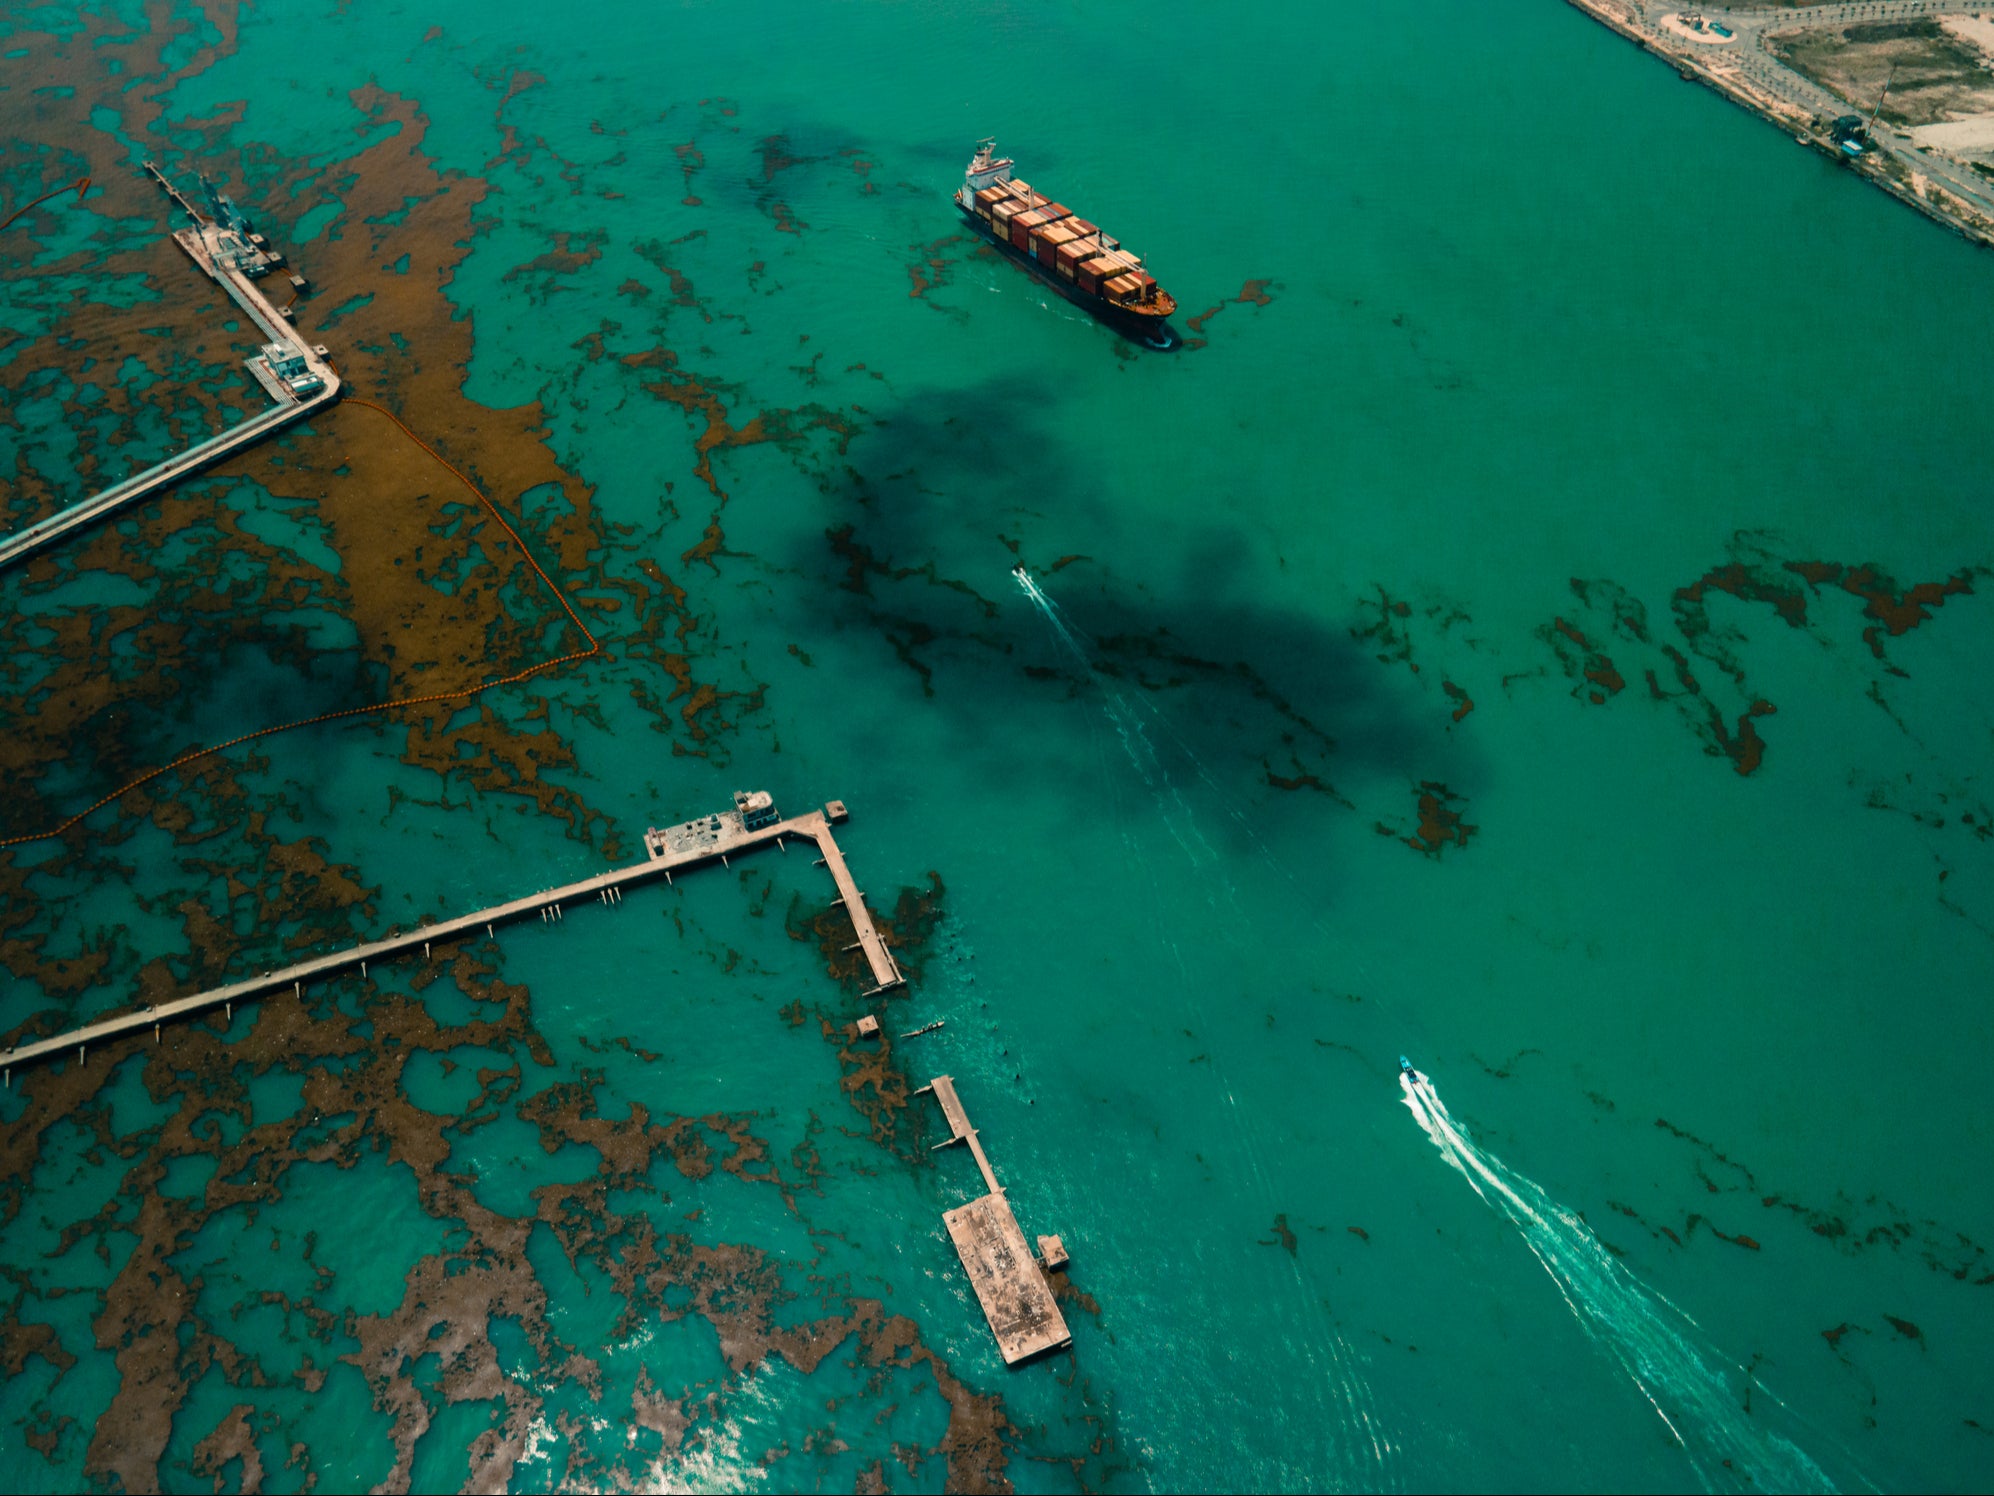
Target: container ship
1065,252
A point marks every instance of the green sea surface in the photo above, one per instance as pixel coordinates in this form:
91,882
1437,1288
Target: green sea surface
1479,643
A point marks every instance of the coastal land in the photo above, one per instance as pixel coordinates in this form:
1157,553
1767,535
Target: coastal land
1899,91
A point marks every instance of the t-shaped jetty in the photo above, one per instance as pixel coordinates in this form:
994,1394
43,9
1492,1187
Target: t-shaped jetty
750,825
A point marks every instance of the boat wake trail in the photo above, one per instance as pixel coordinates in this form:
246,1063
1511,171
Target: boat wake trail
1357,1443
1658,1346
1129,726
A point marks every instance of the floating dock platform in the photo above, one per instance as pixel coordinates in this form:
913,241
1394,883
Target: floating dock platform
1010,1282
730,836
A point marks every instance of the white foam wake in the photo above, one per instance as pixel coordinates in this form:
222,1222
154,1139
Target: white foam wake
1696,1392
1359,1446
1134,735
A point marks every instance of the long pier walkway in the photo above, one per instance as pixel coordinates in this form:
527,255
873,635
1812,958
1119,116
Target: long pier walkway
715,839
202,243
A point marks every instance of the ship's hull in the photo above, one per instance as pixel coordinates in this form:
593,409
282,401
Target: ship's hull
1151,329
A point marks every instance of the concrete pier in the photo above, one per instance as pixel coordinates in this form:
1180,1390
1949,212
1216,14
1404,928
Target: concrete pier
733,839
1010,1283
959,1129
202,242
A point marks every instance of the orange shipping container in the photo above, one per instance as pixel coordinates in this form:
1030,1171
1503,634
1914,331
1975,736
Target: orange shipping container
1122,287
1090,272
1002,214
1047,242
1068,256
1023,224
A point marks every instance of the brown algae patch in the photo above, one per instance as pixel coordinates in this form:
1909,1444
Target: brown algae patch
355,1110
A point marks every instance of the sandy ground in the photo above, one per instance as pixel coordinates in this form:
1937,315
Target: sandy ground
1935,75
1972,136
1975,31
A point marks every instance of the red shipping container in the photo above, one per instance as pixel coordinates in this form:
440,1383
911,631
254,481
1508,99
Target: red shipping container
1090,272
1047,242
1022,226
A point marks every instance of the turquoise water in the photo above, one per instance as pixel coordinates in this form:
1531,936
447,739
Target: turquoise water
1545,338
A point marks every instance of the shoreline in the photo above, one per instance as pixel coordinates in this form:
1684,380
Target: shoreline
1917,190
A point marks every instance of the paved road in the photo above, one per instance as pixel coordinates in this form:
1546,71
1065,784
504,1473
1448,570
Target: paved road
1753,57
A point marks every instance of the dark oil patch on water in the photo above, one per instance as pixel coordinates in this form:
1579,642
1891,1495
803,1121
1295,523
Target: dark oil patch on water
1253,293
1283,1237
1439,825
1754,575
1850,1227
451,1298
872,1080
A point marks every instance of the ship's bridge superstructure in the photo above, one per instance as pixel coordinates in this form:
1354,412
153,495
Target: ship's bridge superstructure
1067,252
985,170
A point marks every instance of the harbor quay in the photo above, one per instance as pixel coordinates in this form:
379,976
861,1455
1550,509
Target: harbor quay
298,376
751,825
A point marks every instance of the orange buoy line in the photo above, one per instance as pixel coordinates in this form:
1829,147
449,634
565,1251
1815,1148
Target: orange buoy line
197,754
80,186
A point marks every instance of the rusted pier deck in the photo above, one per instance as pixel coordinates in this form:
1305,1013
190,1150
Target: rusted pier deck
725,835
206,244
1010,1282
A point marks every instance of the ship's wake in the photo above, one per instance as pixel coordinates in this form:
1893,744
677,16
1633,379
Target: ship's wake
1698,1394
1359,1445
1126,719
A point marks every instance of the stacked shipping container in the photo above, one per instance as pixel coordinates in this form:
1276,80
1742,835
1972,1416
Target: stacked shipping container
1073,247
